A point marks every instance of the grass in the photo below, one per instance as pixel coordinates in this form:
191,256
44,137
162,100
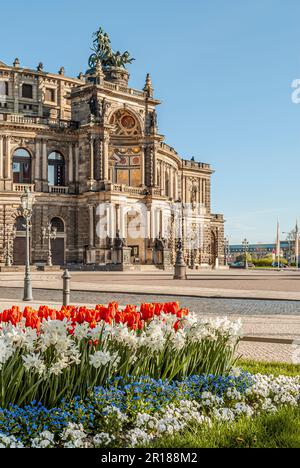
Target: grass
275,369
281,430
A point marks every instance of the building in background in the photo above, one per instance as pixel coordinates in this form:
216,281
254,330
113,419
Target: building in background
80,142
258,251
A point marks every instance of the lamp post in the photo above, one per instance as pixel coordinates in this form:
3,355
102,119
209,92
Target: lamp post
246,248
180,265
49,233
27,201
227,250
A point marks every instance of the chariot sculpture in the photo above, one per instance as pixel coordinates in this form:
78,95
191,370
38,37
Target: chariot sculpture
104,55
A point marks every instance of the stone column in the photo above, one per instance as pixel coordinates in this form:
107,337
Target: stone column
44,161
155,171
152,214
40,96
71,166
91,227
203,192
91,252
44,166
105,155
16,92
1,157
163,178
76,163
118,218
176,195
92,159
122,226
37,175
172,183
143,181
8,159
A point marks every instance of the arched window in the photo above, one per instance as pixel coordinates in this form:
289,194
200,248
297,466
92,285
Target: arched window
58,224
56,169
21,167
20,224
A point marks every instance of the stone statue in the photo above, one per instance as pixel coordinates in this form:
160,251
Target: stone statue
153,120
104,108
160,243
194,196
119,243
103,53
94,107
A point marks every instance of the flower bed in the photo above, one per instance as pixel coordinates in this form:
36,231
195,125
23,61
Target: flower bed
47,355
133,412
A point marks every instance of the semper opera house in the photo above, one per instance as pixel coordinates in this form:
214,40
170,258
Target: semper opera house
90,151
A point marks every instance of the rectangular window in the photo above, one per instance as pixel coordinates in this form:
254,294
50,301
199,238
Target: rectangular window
27,91
51,175
122,177
50,95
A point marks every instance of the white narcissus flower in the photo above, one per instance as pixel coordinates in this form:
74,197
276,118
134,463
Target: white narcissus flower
34,362
101,358
6,351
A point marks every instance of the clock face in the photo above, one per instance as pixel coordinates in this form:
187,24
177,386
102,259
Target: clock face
128,122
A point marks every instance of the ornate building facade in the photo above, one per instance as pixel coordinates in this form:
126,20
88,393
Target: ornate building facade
88,142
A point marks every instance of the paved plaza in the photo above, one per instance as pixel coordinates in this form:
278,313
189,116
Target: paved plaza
265,300
283,285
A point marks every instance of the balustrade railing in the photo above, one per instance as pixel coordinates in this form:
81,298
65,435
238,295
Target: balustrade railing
58,189
23,187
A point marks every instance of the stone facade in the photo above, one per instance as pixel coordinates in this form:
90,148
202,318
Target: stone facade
79,143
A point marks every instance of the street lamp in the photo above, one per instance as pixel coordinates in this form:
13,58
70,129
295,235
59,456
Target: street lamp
227,250
49,233
27,201
246,248
180,265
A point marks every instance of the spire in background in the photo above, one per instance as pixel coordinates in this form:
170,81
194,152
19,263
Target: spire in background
148,86
297,245
278,246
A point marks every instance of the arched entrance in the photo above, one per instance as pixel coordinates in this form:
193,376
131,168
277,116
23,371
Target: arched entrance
20,242
58,244
135,235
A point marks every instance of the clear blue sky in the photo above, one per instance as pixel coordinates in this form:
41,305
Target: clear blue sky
223,69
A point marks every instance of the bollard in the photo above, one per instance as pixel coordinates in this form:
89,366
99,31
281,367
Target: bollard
66,288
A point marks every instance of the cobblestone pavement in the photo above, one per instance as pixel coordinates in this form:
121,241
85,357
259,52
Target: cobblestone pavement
233,280
203,305
267,352
261,319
